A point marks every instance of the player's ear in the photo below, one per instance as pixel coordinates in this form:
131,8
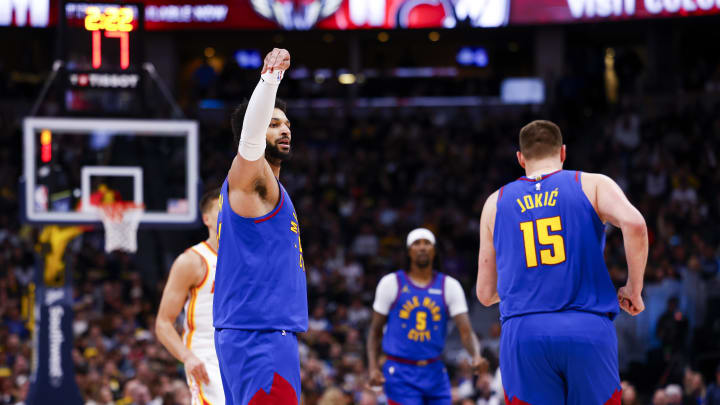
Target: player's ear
563,154
521,159
206,219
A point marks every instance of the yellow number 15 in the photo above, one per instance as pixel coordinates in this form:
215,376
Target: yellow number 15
552,256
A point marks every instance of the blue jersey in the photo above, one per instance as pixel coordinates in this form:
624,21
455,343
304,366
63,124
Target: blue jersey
417,321
260,277
549,244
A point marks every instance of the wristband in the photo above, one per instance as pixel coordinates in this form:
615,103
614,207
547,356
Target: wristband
273,77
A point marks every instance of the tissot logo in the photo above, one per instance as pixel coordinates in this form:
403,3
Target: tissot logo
20,13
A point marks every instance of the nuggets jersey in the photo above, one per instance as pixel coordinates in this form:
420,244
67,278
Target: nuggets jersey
199,334
260,281
549,244
417,322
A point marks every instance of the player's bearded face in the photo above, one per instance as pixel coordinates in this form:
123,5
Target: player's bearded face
278,137
422,253
276,150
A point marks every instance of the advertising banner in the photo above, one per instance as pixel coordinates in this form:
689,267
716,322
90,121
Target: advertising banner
368,14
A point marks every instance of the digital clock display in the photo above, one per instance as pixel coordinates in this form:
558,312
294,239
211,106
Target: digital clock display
101,47
108,30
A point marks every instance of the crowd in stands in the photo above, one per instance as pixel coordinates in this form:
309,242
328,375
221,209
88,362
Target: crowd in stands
360,180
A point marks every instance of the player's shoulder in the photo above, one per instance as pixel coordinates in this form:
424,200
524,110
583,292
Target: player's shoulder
390,277
450,281
591,177
189,260
494,196
388,284
595,182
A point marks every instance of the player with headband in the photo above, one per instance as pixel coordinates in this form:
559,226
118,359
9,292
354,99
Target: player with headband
416,304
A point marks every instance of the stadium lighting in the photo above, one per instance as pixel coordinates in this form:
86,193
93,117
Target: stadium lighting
346,78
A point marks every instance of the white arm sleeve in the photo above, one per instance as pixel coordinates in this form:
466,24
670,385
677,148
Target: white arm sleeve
454,297
257,117
385,294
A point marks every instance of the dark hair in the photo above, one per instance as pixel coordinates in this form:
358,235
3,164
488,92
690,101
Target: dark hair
540,139
237,116
207,199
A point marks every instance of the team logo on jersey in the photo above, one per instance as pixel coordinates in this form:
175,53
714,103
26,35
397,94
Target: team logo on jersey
414,311
405,289
296,14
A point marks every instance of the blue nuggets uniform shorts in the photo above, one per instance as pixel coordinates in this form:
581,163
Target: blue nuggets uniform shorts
258,367
560,358
408,384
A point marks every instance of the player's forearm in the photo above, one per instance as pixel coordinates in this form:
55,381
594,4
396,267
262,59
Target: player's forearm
635,238
168,336
257,117
373,349
470,343
486,290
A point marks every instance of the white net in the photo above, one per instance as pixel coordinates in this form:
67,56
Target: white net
121,221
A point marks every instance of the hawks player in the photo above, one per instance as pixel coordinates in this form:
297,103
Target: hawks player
191,285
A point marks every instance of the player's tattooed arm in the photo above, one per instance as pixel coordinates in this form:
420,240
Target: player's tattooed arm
376,378
186,272
470,342
486,288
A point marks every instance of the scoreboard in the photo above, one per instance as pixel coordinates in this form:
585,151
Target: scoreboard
101,47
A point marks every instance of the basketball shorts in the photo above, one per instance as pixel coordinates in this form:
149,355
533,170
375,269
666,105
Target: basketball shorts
560,358
212,393
259,367
407,384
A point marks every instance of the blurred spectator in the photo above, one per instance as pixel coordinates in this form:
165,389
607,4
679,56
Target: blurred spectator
485,393
492,341
712,396
366,243
672,328
318,322
629,395
674,394
694,388
333,396
656,181
660,397
627,131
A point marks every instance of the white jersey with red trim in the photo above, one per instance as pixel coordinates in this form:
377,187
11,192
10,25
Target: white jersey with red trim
199,334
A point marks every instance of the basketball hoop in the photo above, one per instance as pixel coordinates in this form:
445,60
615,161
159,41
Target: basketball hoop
120,220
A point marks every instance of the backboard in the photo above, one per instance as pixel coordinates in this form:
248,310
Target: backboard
72,163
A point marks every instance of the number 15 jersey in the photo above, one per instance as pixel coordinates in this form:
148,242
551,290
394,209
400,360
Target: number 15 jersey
549,244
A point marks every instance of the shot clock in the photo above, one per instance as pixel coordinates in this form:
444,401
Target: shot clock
100,45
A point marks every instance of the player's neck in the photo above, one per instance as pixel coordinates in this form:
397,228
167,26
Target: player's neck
275,166
540,167
420,275
212,241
